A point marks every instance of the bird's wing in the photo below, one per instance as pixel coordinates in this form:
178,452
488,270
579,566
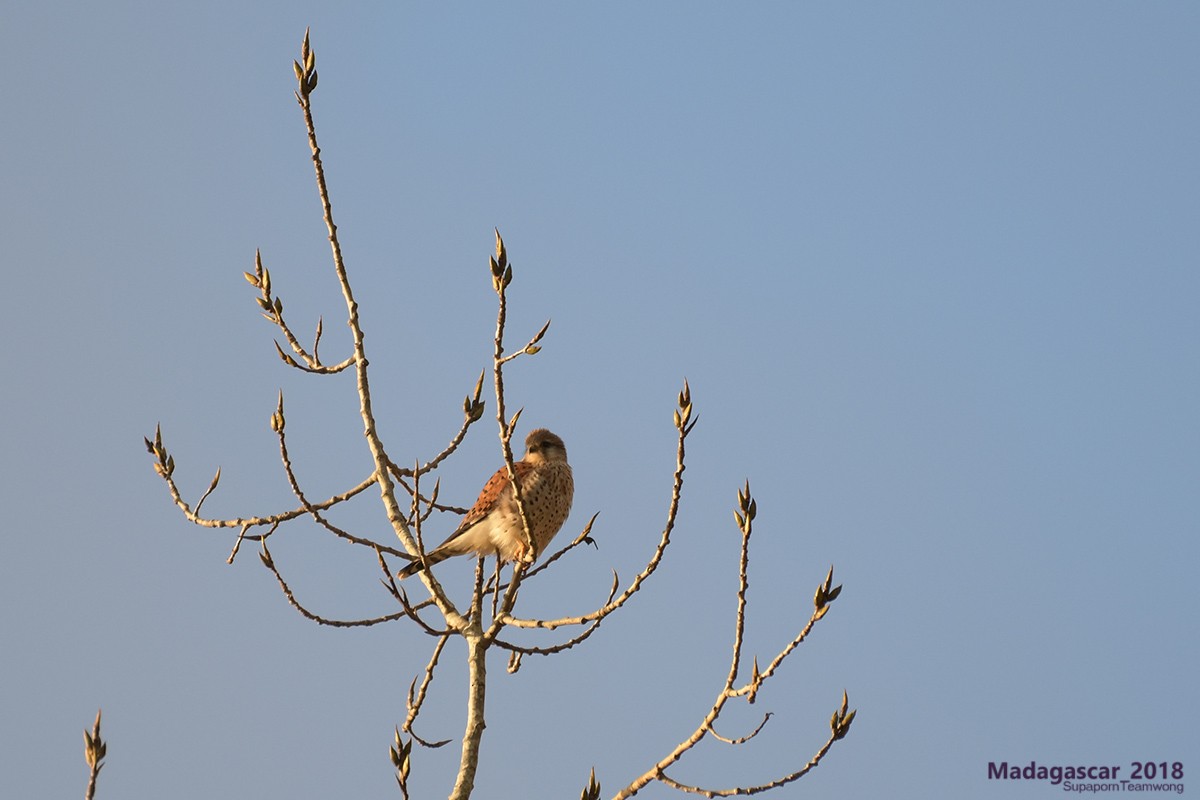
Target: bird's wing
488,497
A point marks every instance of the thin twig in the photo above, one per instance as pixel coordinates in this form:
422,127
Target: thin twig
551,649
269,562
415,516
584,536
272,310
472,412
747,790
94,751
401,597
164,460
314,512
416,697
741,739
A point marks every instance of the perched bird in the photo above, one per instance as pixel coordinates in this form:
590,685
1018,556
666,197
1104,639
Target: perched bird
493,525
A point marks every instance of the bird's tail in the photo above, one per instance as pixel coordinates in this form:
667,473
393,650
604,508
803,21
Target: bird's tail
415,566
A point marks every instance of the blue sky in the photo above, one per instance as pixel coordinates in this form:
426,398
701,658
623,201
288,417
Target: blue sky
930,270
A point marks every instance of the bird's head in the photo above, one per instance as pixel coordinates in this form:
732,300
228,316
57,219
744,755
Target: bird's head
544,447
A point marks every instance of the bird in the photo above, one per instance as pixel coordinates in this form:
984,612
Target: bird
493,525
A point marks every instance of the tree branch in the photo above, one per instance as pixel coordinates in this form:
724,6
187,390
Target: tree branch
269,562
416,697
165,467
840,724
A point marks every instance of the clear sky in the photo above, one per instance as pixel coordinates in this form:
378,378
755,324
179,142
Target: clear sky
930,269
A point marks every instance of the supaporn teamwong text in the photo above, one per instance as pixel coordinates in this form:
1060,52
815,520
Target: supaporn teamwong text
1142,776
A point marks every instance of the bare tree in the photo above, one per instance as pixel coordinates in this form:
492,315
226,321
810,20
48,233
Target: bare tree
491,617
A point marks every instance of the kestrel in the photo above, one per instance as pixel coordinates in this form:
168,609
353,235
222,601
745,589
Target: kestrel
493,525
